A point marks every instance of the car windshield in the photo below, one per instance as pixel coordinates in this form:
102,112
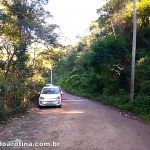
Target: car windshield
50,91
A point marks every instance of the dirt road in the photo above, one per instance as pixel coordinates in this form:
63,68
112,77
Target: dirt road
80,124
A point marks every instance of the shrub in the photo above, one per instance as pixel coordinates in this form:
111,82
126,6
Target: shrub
140,106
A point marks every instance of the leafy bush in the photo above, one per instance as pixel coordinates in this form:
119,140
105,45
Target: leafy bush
145,87
140,106
16,96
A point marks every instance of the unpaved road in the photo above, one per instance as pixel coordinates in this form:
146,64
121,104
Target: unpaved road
80,124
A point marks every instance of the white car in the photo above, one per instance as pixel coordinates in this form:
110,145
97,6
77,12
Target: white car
50,96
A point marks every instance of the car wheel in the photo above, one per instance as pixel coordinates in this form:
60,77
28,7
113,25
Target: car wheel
39,106
59,106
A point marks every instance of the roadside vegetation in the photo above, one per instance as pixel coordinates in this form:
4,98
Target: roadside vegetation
99,67
24,62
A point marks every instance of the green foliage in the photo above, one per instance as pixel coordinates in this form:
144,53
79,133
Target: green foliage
145,87
99,66
16,96
117,15
140,106
21,24
110,63
143,71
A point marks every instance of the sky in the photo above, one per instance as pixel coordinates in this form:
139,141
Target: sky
74,16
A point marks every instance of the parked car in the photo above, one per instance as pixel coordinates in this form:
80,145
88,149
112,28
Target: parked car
50,96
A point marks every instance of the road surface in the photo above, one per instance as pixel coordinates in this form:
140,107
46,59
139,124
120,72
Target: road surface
80,124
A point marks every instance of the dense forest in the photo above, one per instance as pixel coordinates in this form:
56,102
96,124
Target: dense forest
98,67
24,61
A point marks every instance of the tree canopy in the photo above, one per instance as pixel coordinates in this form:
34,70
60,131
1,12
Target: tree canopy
22,24
99,66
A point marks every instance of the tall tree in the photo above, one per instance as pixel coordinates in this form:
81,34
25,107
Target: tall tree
24,22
